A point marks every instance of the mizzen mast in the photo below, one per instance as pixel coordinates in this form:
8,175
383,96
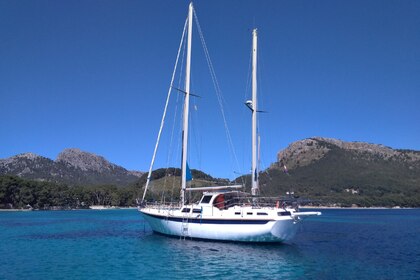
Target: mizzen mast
255,186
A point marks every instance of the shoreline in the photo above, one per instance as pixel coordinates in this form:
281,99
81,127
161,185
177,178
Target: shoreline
357,208
68,209
133,207
15,210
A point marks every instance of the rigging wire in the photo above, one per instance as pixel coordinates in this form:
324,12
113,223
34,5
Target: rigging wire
261,95
247,93
217,90
195,131
170,150
164,115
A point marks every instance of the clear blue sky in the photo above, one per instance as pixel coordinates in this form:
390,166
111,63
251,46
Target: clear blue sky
94,75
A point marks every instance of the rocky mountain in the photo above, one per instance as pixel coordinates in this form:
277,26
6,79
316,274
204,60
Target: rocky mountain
309,151
72,167
347,172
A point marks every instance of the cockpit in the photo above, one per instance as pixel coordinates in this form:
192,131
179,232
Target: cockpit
223,200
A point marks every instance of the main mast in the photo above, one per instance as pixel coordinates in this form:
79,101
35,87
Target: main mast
255,187
186,107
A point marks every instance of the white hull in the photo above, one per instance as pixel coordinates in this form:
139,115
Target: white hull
221,227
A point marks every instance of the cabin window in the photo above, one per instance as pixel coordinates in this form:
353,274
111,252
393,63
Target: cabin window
284,213
262,214
196,210
185,210
237,213
249,213
206,199
219,201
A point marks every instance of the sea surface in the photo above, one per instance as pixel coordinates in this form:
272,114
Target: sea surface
117,244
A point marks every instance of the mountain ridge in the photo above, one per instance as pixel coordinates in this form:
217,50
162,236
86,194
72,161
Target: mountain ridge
72,166
309,150
335,171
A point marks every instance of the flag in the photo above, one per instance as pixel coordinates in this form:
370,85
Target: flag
188,174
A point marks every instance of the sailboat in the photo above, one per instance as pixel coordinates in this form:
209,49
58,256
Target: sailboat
224,213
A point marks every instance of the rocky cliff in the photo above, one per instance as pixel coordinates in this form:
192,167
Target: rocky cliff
309,151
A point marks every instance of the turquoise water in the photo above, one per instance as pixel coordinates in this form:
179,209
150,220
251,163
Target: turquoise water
117,244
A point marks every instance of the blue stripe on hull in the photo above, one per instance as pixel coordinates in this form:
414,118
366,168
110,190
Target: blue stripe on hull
210,221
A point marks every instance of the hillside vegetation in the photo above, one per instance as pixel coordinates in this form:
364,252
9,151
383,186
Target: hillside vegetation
18,193
333,172
166,182
327,172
